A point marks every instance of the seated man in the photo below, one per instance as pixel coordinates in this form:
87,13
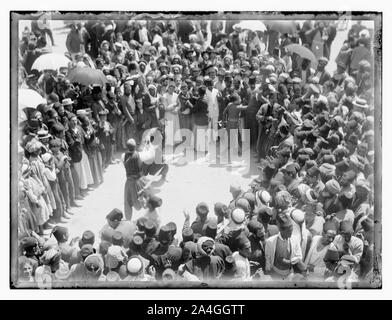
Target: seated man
346,244
282,251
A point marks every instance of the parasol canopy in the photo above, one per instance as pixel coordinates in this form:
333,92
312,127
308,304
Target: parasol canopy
282,26
303,52
253,25
28,98
87,76
50,61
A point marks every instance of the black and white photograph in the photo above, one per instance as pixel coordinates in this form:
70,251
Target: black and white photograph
171,149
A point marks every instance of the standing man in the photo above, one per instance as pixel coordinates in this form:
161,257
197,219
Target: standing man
74,42
213,109
200,120
136,182
128,107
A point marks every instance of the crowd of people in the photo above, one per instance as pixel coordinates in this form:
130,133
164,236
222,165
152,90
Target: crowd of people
308,216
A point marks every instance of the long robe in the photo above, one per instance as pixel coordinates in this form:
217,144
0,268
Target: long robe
316,258
172,120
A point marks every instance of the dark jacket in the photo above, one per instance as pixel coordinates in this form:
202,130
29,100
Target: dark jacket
75,144
200,113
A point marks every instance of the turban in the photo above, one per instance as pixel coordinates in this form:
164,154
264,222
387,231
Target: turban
205,240
114,256
311,196
238,216
333,186
263,196
298,216
135,266
302,189
327,169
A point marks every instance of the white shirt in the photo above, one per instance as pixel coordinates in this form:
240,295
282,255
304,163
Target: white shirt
212,101
242,267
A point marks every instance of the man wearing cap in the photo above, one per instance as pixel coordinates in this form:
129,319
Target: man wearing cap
257,239
135,184
234,228
241,259
115,223
202,211
290,176
347,244
119,53
312,179
89,271
67,250
171,259
282,251
320,244
205,266
74,42
361,205
283,158
329,197
347,182
322,74
340,73
97,104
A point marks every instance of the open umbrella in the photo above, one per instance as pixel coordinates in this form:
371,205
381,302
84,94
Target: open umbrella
302,52
253,25
282,26
50,61
28,98
87,76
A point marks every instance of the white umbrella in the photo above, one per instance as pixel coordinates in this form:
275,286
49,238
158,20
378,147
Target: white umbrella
50,61
28,98
253,25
